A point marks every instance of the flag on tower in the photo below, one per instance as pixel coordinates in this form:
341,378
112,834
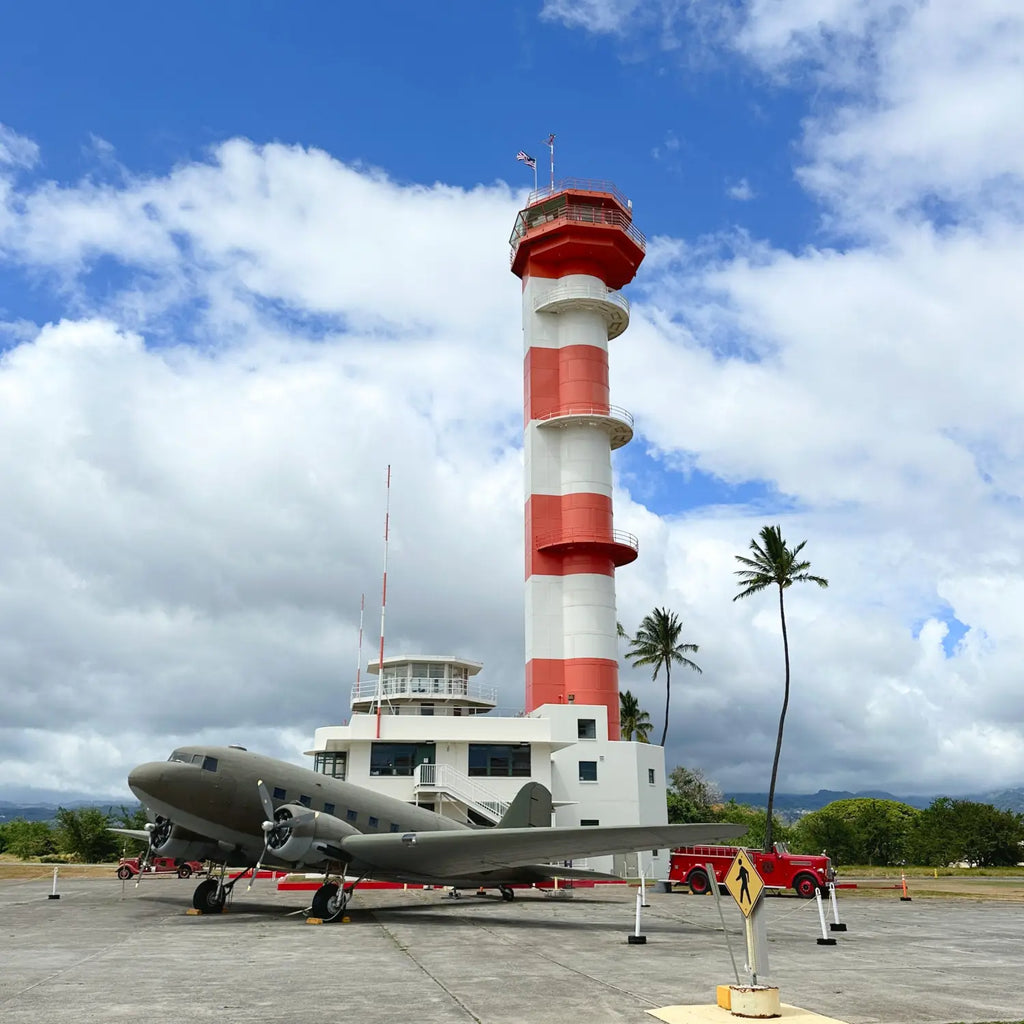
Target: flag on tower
526,158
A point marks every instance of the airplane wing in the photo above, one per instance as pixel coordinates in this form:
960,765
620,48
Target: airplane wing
131,833
451,854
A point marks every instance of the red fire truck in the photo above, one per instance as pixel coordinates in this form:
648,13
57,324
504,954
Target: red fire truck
804,873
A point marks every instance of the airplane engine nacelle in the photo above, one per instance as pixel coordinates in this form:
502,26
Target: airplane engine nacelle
294,843
170,840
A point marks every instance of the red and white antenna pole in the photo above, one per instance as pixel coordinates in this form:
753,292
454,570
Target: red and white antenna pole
550,143
359,646
383,600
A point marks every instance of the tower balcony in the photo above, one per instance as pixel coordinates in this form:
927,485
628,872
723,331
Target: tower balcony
618,545
615,421
612,305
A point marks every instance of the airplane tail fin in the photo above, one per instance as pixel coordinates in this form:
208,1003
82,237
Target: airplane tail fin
531,808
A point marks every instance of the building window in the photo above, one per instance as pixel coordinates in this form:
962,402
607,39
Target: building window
399,758
650,776
586,728
331,763
589,821
499,759
588,771
426,709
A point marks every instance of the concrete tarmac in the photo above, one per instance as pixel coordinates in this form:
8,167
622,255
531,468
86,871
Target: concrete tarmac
108,951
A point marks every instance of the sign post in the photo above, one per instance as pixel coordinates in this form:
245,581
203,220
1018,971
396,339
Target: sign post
746,887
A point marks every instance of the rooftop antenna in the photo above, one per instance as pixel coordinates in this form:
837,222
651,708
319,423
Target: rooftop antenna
550,143
359,645
383,600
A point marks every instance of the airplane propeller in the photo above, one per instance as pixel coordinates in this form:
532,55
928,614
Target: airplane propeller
276,829
158,833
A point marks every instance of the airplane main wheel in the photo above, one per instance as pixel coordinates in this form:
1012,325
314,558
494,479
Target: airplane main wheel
124,872
206,898
329,902
508,894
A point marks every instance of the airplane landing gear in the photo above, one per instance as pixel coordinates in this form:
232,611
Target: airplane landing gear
210,896
508,894
331,899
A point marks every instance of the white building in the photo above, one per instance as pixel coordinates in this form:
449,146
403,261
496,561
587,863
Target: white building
437,742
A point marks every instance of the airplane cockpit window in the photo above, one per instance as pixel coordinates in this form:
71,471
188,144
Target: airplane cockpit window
209,764
179,755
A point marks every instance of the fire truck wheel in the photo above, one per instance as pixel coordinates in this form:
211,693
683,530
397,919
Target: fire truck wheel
184,871
806,886
699,884
124,872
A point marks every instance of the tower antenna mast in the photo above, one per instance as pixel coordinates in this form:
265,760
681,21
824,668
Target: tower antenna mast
550,143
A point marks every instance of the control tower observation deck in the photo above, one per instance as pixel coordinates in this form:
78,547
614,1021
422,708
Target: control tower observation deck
574,246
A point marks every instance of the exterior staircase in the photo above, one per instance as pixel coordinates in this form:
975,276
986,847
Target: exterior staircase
441,780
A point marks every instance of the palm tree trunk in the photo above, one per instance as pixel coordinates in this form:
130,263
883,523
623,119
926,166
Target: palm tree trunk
782,726
668,694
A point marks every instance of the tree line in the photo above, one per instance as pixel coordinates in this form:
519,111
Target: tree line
863,830
77,835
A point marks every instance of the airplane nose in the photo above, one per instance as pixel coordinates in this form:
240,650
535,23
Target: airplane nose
144,780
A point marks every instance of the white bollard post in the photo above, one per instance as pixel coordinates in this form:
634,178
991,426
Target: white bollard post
836,925
824,940
643,886
636,939
54,895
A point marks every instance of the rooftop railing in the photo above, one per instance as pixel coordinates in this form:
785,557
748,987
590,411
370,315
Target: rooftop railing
423,686
579,185
616,412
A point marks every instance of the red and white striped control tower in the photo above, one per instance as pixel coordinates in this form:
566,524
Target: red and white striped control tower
574,246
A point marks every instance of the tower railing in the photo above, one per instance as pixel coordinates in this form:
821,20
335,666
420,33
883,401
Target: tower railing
578,213
423,686
580,535
614,411
573,290
579,185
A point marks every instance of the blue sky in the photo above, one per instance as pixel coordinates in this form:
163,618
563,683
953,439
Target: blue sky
252,253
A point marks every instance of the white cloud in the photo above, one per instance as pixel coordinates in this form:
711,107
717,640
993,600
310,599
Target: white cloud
16,150
741,191
195,461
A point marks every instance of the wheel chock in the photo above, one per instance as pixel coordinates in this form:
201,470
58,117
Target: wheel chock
314,920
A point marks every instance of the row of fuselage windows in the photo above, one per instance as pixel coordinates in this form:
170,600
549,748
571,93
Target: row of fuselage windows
352,817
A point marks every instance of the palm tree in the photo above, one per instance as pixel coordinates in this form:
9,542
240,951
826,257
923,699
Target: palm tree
657,643
774,563
633,719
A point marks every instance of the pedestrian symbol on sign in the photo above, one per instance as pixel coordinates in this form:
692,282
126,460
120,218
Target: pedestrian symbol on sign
743,882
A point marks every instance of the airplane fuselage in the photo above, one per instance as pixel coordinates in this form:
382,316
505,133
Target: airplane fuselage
214,791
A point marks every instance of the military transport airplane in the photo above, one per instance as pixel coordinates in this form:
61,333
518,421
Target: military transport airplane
229,806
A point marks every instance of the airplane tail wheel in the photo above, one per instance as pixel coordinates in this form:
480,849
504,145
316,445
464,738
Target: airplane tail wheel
206,898
329,902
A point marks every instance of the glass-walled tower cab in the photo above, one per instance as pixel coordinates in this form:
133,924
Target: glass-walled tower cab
423,685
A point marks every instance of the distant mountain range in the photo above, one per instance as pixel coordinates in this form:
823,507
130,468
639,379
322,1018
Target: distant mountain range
793,805
788,806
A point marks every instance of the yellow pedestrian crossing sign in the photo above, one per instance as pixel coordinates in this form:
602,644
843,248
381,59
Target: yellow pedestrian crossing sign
744,883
